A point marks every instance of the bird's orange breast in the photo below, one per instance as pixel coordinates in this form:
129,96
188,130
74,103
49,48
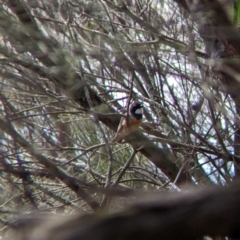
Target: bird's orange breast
130,126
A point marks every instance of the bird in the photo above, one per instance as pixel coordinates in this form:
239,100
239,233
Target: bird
129,123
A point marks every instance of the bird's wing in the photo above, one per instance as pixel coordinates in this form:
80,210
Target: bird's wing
118,136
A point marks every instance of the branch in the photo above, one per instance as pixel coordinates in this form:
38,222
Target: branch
162,158
221,39
192,215
49,165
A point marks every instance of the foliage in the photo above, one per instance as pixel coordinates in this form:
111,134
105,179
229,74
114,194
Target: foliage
68,68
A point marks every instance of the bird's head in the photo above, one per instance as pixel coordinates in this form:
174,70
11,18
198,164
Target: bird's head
136,110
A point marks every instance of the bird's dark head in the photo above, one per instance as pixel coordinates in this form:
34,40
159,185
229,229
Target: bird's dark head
136,110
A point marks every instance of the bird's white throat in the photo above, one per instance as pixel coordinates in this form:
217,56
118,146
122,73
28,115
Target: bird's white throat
139,111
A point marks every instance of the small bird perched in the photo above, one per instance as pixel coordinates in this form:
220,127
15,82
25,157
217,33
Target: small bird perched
130,123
